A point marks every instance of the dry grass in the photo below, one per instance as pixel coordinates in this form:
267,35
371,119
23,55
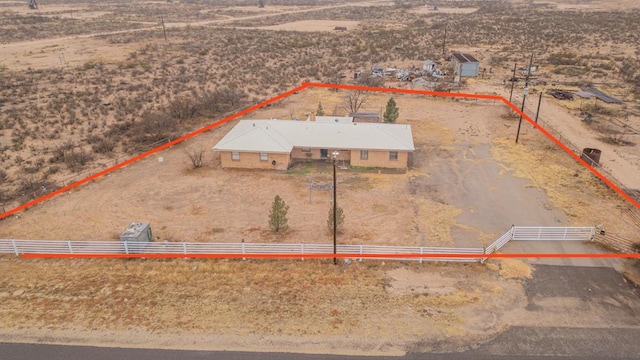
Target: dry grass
515,269
252,298
569,186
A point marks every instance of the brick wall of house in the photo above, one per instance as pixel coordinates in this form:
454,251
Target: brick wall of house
380,159
252,161
297,153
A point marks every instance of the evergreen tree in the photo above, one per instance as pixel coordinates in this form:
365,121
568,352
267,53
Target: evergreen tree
339,218
278,215
392,112
320,110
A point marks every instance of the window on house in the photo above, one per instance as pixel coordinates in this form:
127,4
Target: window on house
393,155
264,157
235,156
306,149
364,154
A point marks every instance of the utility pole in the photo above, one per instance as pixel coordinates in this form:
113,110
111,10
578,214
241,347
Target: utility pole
335,210
539,102
530,65
513,81
524,99
444,43
164,30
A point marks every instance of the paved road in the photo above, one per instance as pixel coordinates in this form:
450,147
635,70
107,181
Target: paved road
506,347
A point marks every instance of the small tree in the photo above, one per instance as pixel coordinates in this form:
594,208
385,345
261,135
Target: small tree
392,112
278,215
339,218
320,110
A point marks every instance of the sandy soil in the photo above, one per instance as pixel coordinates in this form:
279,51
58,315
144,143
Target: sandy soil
594,5
312,25
62,52
428,10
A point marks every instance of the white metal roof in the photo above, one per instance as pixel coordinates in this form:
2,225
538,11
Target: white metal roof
281,136
334,119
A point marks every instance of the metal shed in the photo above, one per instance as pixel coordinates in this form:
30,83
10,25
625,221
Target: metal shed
465,65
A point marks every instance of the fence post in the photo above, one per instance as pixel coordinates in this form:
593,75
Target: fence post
564,236
15,247
484,252
421,252
184,248
513,232
592,233
539,232
69,245
302,251
361,248
126,247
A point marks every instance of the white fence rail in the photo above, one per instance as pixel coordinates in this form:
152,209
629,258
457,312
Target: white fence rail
502,241
523,233
68,247
19,247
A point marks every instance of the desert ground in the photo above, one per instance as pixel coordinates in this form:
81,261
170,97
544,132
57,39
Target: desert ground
84,85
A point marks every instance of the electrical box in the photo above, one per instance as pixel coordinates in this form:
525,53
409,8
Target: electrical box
136,236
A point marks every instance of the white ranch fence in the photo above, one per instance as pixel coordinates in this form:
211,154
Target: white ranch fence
69,247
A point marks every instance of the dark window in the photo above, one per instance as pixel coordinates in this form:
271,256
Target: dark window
393,155
364,154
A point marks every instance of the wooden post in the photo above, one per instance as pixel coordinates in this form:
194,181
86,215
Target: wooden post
164,30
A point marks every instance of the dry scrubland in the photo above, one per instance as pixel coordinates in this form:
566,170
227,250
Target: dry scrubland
71,105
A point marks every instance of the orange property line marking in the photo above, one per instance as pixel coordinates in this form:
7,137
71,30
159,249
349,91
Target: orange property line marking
323,256
332,86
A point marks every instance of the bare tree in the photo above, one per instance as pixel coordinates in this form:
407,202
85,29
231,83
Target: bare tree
354,100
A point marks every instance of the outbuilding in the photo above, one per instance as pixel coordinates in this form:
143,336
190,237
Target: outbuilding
464,65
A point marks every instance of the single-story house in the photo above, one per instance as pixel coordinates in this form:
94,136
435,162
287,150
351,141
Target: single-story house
465,65
276,144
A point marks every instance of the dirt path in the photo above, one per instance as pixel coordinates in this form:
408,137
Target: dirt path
614,160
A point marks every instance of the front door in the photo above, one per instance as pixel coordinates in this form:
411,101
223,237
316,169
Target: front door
324,153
